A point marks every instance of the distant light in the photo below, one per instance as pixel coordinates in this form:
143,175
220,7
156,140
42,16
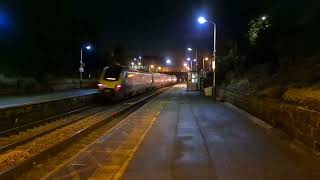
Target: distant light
194,60
140,57
185,64
132,63
202,20
159,68
168,61
263,18
188,59
134,59
189,49
139,63
88,47
206,59
151,66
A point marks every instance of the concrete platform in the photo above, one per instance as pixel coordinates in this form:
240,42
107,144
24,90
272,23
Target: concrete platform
195,137
12,101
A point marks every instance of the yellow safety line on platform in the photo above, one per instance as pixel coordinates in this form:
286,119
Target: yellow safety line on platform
124,166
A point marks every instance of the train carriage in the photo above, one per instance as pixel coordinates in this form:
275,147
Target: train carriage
118,82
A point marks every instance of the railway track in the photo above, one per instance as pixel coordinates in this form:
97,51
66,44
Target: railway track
80,126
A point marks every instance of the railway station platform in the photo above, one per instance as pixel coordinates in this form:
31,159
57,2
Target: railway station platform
191,137
12,101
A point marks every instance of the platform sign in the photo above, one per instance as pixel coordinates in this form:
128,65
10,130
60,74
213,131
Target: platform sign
213,65
81,69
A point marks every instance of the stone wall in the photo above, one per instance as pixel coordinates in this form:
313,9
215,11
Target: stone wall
298,122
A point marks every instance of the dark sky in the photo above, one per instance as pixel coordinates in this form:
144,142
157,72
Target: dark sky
151,27
146,27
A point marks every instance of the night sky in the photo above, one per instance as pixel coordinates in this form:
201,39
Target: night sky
145,27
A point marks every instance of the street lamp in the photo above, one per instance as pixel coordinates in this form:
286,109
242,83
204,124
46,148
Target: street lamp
151,67
189,49
203,20
185,64
81,69
140,58
204,59
263,18
188,59
168,61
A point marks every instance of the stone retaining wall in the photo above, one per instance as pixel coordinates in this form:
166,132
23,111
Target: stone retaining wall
24,114
298,122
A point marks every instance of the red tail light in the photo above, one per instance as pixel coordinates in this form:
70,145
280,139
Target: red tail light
118,87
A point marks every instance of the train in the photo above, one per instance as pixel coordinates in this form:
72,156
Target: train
119,82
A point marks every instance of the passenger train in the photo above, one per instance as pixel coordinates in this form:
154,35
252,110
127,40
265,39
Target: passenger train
118,82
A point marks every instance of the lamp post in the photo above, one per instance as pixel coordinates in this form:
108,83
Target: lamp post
81,69
203,20
190,49
151,67
204,59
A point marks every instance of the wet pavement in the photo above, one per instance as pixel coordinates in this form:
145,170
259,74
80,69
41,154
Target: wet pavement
195,137
11,101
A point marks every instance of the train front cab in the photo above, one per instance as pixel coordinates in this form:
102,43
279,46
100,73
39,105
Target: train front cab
111,82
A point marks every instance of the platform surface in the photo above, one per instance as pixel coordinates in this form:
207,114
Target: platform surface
12,101
195,137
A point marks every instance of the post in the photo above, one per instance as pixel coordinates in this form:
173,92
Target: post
81,66
202,65
197,86
214,61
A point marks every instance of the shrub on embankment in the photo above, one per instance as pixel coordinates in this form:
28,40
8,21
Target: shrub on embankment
26,85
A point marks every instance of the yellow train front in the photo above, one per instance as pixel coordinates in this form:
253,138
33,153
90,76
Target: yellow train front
118,82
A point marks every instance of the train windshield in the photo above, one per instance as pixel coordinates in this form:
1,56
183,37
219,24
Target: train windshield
112,73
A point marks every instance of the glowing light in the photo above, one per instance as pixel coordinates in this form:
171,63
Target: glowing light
159,68
168,61
202,20
194,60
188,59
139,63
132,63
189,49
151,66
206,59
100,85
185,64
88,47
263,18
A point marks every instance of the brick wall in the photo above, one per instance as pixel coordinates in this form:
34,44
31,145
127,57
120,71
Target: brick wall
298,122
